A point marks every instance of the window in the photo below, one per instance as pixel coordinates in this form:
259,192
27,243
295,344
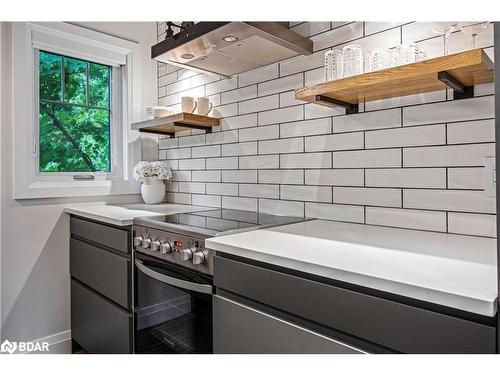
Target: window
74,115
73,101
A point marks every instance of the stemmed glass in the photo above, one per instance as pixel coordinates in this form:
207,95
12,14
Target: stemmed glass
473,28
444,29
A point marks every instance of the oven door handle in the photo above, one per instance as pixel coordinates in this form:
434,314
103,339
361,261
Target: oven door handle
195,287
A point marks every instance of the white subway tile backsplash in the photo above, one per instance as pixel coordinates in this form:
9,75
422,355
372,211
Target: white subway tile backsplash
229,136
280,176
340,212
192,187
367,196
306,193
259,191
449,200
448,156
245,93
303,128
338,36
451,111
222,85
302,63
259,162
193,140
240,176
406,137
466,178
205,151
222,163
238,122
191,164
180,198
406,177
307,160
471,132
367,158
389,118
179,153
281,84
281,146
277,116
403,218
337,177
287,99
206,200
334,142
206,176
279,207
221,188
259,104
413,162
236,149
258,75
261,132
237,203
472,224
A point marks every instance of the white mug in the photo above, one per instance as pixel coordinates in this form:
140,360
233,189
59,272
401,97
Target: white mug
188,104
204,106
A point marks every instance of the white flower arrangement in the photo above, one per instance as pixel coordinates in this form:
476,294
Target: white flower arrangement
151,171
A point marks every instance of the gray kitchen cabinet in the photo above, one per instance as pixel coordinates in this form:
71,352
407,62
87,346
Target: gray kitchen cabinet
390,324
97,325
101,287
240,329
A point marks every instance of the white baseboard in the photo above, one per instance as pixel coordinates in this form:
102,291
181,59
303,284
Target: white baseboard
59,343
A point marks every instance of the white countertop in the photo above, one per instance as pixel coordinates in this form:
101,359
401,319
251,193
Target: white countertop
124,214
451,270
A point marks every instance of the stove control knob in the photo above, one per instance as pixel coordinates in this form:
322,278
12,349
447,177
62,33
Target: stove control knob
146,242
155,245
165,248
200,257
187,254
137,241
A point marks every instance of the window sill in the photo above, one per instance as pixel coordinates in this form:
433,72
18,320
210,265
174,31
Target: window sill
60,189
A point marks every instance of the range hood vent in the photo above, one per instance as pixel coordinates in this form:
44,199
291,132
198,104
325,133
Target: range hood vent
228,48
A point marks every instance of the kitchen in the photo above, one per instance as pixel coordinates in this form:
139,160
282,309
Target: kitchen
301,188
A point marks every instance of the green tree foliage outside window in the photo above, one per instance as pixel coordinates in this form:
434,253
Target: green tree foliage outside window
74,114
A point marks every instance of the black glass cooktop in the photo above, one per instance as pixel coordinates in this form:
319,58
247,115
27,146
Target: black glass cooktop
216,221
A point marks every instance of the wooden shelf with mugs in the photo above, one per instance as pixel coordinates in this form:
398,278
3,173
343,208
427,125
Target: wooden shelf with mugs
181,121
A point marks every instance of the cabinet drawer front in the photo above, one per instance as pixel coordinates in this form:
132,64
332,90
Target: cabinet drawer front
97,325
106,235
102,270
239,329
394,325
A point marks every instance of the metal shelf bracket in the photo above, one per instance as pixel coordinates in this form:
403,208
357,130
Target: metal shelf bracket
349,107
460,91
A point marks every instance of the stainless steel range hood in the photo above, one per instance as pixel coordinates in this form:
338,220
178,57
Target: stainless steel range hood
228,48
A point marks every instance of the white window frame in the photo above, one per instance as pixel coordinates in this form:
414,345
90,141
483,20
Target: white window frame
78,42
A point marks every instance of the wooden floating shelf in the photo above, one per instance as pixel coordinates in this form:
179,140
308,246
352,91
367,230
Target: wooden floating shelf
460,71
175,123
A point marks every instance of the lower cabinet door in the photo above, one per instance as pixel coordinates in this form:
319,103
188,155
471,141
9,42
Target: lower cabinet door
239,329
98,325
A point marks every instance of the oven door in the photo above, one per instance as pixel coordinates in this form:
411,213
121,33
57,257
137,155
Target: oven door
173,308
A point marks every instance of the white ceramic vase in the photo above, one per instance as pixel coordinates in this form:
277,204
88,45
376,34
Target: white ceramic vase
153,192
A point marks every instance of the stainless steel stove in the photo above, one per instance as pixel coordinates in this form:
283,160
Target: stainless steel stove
173,276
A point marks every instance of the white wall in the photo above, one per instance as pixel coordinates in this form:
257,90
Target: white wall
34,261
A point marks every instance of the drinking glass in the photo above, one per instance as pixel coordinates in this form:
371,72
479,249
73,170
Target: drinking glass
444,29
473,28
383,59
405,54
367,62
333,65
353,60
